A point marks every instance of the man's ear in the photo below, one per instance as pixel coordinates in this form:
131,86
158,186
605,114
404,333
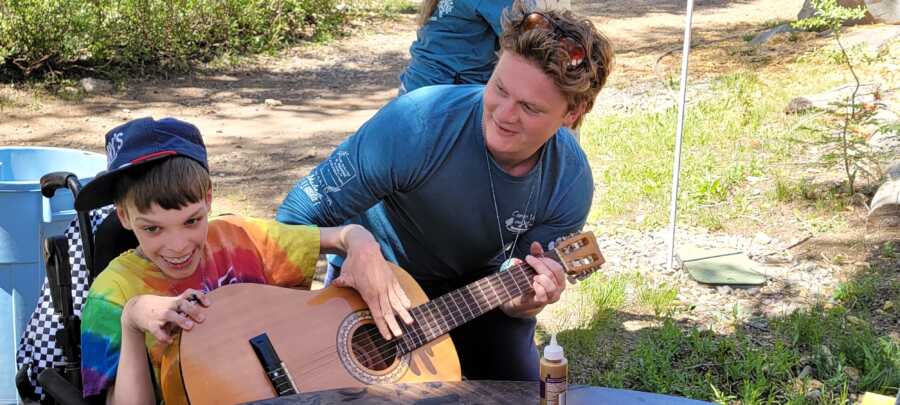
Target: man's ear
572,115
122,213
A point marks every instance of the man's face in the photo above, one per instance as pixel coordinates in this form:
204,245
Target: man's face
523,108
172,239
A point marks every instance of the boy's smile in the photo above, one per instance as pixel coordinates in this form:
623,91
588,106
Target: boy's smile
172,239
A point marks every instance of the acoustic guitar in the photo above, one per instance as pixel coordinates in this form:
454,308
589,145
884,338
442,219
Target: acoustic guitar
260,341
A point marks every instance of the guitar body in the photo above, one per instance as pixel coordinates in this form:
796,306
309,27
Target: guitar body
324,338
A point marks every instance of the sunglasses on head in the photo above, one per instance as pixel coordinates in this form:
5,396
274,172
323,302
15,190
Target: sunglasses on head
573,49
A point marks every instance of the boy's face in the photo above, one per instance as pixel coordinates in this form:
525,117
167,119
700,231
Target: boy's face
172,239
523,108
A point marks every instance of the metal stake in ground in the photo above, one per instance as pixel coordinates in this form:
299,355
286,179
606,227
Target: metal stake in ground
679,131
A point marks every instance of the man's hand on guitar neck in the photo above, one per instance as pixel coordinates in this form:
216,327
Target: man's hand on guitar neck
548,285
366,271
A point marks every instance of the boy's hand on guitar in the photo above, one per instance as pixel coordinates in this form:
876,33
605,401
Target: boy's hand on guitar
548,285
163,316
366,271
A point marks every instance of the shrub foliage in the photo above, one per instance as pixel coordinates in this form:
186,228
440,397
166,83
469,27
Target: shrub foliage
47,36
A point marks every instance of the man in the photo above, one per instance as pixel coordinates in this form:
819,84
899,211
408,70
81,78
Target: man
455,180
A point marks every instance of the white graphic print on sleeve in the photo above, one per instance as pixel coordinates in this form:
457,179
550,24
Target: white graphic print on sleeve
444,7
310,188
329,177
337,171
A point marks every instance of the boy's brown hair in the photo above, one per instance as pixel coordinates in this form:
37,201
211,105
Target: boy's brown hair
172,183
579,84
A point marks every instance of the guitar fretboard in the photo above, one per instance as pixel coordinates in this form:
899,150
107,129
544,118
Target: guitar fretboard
443,314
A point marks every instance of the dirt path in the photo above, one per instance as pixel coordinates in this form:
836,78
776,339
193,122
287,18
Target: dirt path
327,91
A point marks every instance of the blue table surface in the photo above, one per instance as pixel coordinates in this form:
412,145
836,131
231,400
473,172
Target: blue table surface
473,392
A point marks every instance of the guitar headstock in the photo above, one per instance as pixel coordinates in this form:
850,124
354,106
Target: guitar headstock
579,255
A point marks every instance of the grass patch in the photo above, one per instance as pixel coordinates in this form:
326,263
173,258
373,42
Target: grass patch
737,130
820,355
657,298
813,356
700,364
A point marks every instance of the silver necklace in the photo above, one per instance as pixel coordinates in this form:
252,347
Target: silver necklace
506,257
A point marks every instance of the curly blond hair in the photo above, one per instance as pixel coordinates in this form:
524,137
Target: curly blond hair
579,85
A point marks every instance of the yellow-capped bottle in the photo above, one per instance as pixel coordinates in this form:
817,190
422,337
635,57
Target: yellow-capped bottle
554,373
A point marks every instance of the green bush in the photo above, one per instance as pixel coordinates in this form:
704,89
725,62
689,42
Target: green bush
40,36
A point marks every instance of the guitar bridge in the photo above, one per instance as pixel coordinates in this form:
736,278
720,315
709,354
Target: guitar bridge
273,366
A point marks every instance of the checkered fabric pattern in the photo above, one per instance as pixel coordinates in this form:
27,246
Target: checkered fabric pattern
38,349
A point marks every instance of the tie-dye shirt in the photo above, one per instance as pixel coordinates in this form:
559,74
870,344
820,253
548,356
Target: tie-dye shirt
238,250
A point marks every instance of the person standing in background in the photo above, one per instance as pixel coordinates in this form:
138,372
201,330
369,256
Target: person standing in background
457,41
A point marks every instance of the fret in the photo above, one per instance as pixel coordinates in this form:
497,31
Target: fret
409,337
512,278
458,294
523,280
472,289
431,333
490,282
484,297
507,294
424,321
454,322
468,296
416,327
504,282
402,345
452,298
442,314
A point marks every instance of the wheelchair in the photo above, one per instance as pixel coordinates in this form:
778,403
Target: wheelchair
49,353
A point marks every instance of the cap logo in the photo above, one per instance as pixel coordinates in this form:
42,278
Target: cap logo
113,146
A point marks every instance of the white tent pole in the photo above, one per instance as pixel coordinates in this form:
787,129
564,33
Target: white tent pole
685,52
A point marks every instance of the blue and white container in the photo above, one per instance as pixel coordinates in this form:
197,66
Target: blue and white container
26,219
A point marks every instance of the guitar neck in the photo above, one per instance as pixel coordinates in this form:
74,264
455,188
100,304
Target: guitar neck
443,314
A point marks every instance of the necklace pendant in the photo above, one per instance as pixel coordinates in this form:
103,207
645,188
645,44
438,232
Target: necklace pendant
508,264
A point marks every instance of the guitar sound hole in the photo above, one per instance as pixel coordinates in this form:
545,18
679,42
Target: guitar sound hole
371,350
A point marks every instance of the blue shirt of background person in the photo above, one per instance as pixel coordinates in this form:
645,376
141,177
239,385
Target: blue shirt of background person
455,44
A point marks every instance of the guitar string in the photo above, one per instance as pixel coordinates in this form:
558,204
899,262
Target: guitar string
431,322
385,348
374,334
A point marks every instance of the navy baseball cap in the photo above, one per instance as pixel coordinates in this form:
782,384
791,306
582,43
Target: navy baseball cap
135,143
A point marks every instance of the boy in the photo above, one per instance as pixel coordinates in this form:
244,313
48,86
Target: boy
158,179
